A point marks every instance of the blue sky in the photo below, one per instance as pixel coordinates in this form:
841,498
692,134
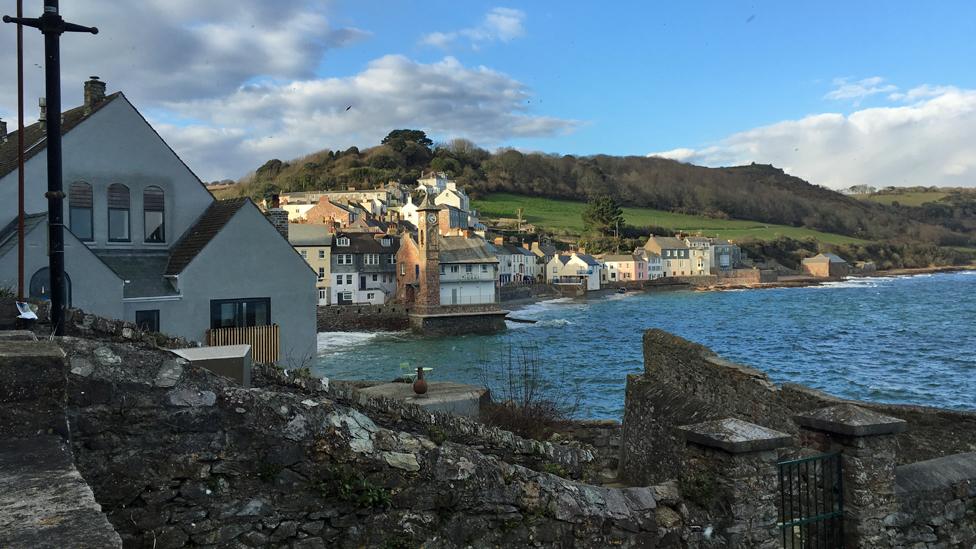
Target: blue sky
839,93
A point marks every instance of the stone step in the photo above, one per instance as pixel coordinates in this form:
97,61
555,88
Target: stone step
44,501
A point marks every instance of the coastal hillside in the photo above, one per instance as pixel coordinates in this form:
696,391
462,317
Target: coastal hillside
759,193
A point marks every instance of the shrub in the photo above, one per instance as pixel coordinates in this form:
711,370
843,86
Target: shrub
520,402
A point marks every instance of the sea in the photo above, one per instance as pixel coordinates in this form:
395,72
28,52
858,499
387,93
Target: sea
884,339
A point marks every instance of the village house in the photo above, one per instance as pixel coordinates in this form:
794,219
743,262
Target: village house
675,255
515,263
575,268
624,268
826,265
700,253
145,241
363,267
314,244
544,252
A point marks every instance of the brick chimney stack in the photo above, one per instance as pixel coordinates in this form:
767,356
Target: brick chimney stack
94,93
42,118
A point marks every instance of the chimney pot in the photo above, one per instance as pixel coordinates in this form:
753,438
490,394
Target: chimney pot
94,93
3,131
42,117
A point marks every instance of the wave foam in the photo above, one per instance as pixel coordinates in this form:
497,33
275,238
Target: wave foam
330,342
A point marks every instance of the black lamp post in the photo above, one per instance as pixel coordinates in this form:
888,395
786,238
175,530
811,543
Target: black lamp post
52,26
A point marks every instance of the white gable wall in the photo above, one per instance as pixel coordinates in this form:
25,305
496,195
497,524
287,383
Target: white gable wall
114,145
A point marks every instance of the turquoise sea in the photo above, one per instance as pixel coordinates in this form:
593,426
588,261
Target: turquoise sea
886,339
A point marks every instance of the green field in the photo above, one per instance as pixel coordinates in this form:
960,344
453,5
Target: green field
566,215
905,199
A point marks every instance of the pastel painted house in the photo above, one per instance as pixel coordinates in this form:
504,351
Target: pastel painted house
624,268
145,241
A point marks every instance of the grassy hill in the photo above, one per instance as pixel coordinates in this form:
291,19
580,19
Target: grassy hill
914,198
565,215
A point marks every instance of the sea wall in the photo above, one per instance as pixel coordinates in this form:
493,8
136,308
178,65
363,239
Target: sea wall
362,318
936,503
516,292
685,383
178,456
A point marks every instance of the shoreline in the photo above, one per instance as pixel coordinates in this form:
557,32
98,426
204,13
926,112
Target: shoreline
797,281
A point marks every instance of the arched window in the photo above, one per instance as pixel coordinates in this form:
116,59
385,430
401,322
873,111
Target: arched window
40,286
80,210
118,213
154,214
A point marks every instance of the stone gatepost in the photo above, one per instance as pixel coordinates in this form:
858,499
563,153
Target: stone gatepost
866,442
729,470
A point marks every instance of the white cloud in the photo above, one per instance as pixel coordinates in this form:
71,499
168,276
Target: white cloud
845,89
499,24
929,142
285,120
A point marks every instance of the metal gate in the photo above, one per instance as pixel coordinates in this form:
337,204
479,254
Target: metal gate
812,502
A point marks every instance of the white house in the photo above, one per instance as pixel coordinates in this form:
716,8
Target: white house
675,255
574,269
145,241
515,263
469,271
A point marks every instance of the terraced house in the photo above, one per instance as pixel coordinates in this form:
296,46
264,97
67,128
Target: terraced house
363,267
145,241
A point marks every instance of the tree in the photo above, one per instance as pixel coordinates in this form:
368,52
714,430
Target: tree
603,215
399,138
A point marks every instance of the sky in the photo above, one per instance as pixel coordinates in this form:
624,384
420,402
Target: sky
838,93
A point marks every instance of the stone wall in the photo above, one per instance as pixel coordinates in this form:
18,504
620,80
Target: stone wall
936,502
179,457
515,292
362,318
686,383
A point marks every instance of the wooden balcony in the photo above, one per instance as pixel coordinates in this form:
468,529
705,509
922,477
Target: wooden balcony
264,340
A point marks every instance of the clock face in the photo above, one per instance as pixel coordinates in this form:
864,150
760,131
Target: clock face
431,218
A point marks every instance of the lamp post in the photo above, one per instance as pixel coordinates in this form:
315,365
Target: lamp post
53,26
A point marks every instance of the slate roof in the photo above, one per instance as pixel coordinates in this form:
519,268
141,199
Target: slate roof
825,258
668,242
142,272
8,235
206,228
35,138
547,249
460,249
619,257
308,234
366,243
588,259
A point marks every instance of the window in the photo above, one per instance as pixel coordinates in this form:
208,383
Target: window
484,268
321,254
154,214
372,259
118,213
304,254
342,241
338,280
344,259
468,268
148,321
443,269
321,273
455,268
386,242
369,295
237,313
40,286
323,293
80,210
391,259
349,279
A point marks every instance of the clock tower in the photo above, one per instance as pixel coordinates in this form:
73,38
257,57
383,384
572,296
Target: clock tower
428,241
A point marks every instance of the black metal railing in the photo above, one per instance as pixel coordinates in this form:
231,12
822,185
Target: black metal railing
812,502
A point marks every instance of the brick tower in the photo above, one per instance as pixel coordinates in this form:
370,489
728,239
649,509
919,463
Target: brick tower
428,240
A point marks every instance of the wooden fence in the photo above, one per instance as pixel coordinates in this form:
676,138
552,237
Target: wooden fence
263,340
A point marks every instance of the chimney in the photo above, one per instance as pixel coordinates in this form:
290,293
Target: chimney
279,218
94,93
42,118
3,131
274,201
499,241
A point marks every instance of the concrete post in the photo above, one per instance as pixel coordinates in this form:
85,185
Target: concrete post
729,469
868,450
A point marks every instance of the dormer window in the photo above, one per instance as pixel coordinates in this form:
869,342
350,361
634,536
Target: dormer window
342,241
118,213
386,242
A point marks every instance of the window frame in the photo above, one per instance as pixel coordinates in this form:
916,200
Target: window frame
161,211
91,211
127,210
240,313
153,322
